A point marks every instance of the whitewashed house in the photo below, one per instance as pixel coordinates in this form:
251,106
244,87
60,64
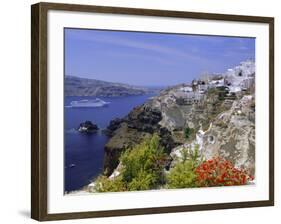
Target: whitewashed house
186,89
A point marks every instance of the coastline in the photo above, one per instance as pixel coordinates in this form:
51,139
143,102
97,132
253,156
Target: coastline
86,150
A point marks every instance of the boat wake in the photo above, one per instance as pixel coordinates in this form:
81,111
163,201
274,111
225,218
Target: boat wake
72,131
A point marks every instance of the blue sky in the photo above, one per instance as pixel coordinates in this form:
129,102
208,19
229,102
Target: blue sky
140,58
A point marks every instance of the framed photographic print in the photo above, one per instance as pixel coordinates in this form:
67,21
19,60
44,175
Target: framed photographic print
140,111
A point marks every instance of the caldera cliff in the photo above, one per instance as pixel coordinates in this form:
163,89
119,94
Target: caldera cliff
215,112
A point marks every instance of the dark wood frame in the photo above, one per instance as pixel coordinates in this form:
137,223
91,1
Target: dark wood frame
39,110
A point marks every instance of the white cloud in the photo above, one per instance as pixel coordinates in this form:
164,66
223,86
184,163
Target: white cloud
141,45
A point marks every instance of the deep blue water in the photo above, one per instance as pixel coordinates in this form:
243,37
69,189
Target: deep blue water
86,151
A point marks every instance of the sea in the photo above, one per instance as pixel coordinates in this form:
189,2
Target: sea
84,153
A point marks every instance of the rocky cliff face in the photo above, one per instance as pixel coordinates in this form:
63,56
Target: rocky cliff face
220,121
140,123
232,135
163,115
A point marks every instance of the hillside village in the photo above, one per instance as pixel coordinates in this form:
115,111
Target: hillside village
219,109
201,106
234,81
215,113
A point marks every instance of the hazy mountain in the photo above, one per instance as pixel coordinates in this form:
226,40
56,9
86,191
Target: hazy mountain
76,86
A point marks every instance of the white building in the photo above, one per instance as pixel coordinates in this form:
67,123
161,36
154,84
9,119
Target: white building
186,89
217,83
241,76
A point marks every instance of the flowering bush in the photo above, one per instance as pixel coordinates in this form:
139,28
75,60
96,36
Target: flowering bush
143,169
220,172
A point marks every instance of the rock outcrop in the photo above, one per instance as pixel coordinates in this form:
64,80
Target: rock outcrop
87,127
232,135
229,135
139,124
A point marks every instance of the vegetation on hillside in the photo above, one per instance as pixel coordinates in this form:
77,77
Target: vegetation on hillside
188,132
143,168
183,175
220,172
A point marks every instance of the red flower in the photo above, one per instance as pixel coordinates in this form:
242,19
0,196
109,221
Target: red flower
220,172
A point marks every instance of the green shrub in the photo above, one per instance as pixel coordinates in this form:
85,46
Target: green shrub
212,91
143,181
104,184
142,168
146,161
188,132
183,174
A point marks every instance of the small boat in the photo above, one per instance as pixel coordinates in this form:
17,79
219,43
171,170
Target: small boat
89,103
72,165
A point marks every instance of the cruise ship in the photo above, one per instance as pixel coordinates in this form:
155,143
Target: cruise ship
89,103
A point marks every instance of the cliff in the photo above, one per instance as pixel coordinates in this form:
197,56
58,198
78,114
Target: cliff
232,135
140,123
218,114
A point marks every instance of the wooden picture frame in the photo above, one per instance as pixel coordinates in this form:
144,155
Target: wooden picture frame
39,109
